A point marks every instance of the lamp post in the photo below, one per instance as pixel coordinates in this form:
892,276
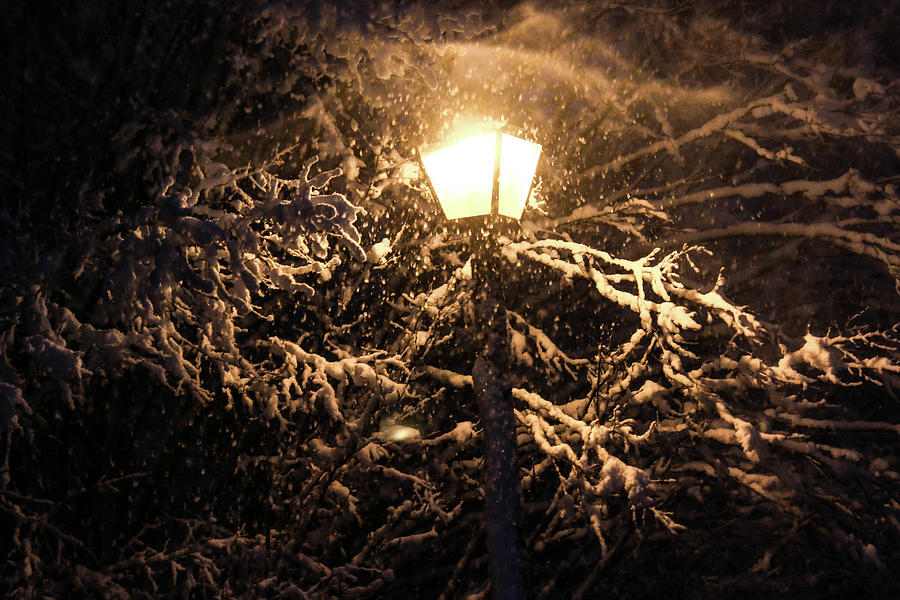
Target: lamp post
484,178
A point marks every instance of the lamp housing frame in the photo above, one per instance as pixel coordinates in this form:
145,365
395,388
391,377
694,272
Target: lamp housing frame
494,215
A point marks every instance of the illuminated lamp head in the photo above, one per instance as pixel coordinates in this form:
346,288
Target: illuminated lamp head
483,174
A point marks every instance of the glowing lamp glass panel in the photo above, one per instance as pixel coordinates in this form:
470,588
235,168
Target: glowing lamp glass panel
518,161
462,176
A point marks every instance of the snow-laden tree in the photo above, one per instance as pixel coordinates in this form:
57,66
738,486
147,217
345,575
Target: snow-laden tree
238,334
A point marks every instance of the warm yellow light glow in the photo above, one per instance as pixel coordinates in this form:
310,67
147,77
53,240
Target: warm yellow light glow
518,161
462,176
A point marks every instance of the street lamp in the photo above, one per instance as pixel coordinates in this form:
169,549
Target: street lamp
480,178
486,174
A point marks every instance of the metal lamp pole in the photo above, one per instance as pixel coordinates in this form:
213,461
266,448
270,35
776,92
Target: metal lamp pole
500,472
